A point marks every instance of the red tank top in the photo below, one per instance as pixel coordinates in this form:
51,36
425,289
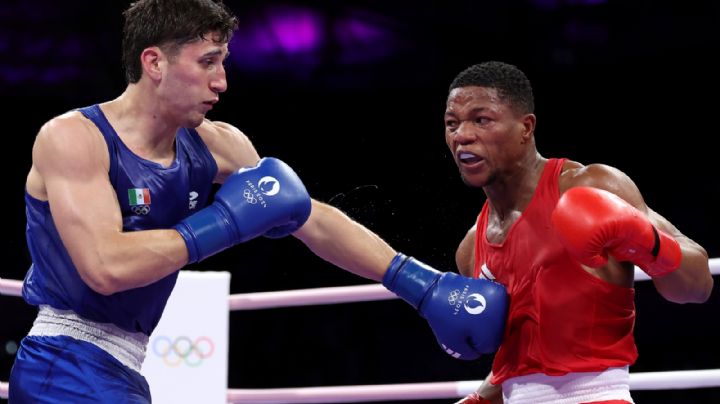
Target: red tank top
561,318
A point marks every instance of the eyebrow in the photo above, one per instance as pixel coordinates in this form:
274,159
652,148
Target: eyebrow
472,111
215,52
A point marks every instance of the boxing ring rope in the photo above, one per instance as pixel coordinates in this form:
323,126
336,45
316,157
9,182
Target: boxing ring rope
409,391
440,390
316,296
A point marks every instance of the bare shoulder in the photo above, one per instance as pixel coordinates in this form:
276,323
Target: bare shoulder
230,147
68,147
600,176
214,129
220,135
69,140
68,125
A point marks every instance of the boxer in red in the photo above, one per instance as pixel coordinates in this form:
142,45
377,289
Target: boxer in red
562,237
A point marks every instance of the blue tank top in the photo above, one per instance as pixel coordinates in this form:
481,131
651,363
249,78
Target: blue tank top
151,197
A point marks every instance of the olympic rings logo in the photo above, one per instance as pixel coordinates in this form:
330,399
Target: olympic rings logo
183,350
141,209
249,197
453,297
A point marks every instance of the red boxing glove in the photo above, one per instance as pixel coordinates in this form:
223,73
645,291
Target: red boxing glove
473,398
592,223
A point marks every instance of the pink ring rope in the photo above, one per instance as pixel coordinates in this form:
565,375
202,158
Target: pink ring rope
412,391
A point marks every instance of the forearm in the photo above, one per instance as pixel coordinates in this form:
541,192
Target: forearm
489,391
129,260
336,238
692,282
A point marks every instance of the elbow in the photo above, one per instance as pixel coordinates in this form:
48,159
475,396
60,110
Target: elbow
103,285
101,280
699,294
105,288
704,295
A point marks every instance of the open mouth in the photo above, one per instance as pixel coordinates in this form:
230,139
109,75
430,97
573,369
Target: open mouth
468,158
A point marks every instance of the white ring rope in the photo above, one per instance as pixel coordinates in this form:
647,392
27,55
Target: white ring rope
315,296
426,391
413,391
687,379
307,297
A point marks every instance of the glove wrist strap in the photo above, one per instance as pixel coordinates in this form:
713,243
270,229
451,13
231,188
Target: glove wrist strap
206,232
667,255
409,279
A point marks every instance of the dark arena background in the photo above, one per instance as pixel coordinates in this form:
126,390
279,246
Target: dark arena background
352,94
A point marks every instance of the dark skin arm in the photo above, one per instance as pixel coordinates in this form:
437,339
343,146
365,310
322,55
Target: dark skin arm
489,391
692,282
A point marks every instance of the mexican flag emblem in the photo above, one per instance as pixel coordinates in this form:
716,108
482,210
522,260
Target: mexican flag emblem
139,196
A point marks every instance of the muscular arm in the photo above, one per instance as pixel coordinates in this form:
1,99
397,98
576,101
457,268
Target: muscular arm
70,169
336,238
230,148
692,281
329,233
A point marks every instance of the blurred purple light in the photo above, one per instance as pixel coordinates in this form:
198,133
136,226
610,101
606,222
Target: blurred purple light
32,74
365,37
297,30
279,37
297,40
282,30
257,40
352,30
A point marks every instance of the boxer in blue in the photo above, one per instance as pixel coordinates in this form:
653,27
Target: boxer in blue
116,205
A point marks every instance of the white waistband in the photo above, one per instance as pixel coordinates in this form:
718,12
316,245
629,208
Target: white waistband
572,388
129,348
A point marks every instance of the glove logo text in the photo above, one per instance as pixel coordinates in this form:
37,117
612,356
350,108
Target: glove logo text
473,303
249,197
453,296
253,195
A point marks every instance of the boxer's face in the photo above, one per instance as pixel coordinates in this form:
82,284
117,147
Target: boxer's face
193,80
483,134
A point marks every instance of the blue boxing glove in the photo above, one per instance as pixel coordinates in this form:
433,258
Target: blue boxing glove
266,199
466,315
